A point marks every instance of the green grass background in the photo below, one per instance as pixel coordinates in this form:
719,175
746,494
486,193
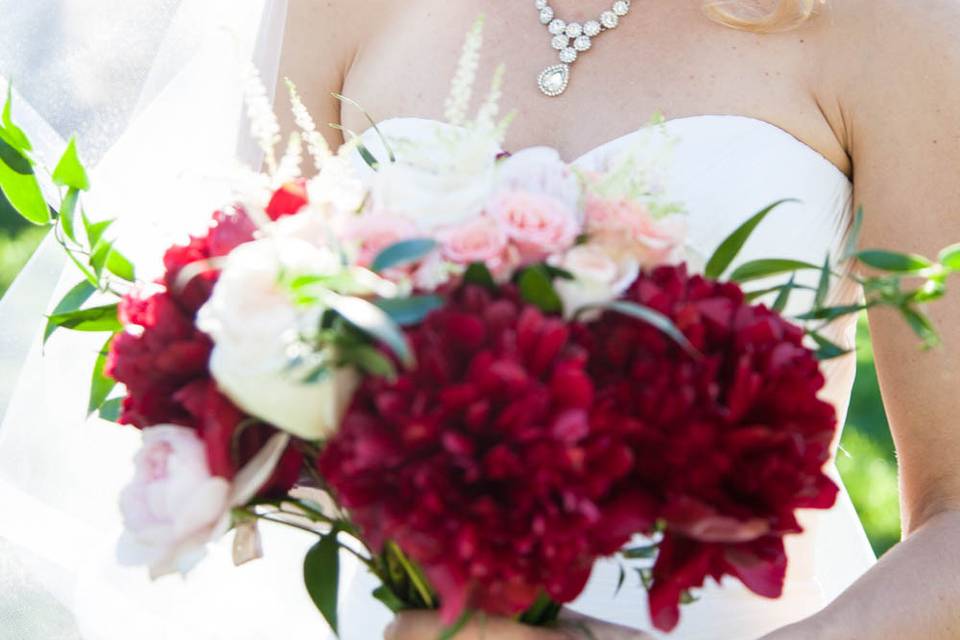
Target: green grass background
867,461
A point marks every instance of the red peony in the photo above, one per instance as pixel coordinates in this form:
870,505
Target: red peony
162,358
482,463
730,444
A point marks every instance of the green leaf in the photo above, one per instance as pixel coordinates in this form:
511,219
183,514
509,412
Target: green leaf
68,211
95,230
21,188
655,319
370,361
645,552
853,237
70,171
403,253
389,599
478,274
321,574
451,632
832,313
74,299
409,311
111,410
950,257
783,298
101,385
730,248
823,288
620,580
922,326
96,319
827,350
120,266
12,133
757,269
893,261
14,159
536,287
372,320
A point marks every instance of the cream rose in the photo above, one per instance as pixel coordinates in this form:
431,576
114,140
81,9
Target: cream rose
441,183
599,278
254,325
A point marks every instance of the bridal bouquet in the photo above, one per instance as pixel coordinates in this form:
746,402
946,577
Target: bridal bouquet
476,372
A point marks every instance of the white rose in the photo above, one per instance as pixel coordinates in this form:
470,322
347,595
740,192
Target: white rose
254,324
442,183
540,170
599,278
174,506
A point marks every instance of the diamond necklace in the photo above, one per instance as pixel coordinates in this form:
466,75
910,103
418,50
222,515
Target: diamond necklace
554,79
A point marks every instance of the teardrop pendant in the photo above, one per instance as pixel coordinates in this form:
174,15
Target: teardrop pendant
554,79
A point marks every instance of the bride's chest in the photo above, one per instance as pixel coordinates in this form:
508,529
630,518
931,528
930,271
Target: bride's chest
663,58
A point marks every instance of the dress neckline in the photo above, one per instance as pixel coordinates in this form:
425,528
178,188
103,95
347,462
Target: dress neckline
672,123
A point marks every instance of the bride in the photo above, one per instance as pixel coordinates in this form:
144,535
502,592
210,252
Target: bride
852,102
838,104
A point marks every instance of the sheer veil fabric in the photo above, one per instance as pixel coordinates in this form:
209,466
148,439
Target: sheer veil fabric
155,88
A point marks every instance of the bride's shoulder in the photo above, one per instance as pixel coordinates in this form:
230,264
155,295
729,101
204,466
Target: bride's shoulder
884,50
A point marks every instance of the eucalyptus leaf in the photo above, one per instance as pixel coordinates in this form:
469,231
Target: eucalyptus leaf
372,320
73,300
730,248
111,410
21,188
101,385
536,287
757,269
950,257
69,171
403,253
321,575
653,318
893,261
96,319
409,311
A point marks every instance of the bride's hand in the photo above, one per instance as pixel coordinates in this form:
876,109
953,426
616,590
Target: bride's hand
426,625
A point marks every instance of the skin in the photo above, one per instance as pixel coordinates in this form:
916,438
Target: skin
873,85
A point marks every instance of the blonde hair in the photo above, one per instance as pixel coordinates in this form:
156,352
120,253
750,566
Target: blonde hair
762,16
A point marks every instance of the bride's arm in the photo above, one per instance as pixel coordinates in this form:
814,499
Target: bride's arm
902,80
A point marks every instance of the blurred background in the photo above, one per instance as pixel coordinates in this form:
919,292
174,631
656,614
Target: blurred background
866,459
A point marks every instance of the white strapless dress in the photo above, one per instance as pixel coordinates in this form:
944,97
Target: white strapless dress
60,520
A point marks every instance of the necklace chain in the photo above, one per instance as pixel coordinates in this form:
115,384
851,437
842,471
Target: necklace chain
571,39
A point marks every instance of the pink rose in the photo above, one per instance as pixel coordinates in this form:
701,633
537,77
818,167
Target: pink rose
624,225
172,507
478,240
538,225
374,232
